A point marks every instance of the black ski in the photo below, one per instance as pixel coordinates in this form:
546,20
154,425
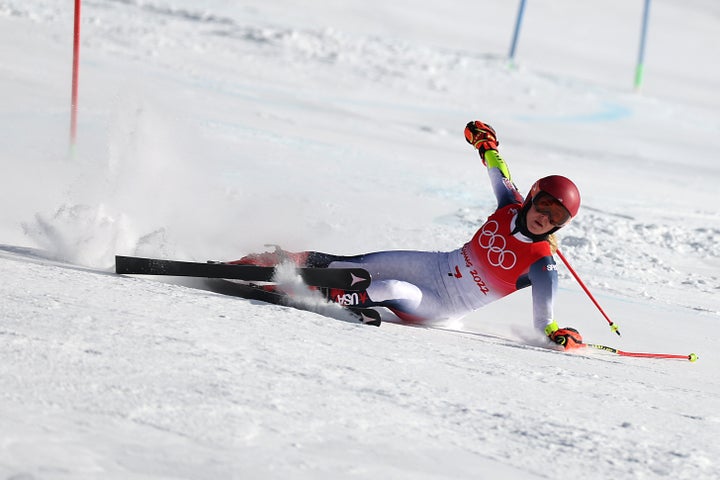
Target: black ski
352,279
367,316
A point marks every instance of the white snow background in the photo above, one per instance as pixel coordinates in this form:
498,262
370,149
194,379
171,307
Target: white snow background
210,128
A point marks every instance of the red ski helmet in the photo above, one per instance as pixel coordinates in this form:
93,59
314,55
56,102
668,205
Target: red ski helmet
561,189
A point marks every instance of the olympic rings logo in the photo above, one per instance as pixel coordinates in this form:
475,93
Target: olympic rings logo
495,245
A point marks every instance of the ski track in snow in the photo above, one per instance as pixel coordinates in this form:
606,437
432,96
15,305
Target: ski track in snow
339,128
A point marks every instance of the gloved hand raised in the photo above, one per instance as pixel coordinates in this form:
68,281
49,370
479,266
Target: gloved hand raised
568,337
481,136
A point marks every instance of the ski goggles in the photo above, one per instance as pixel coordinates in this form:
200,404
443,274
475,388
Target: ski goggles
547,205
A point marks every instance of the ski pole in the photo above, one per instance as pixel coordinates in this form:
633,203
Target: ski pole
613,327
692,357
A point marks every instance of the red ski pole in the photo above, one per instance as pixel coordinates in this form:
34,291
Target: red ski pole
692,357
613,327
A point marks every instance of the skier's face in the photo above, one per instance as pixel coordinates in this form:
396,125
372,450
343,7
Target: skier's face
538,223
546,214
556,213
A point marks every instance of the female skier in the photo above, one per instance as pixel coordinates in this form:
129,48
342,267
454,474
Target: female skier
513,249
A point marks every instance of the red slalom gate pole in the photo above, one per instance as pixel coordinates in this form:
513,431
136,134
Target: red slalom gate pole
692,357
613,327
75,76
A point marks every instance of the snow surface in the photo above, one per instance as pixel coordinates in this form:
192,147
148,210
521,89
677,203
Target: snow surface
209,128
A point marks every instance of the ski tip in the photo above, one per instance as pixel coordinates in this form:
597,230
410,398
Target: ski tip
692,357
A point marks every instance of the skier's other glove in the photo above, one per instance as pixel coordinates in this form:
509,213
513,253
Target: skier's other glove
567,337
481,136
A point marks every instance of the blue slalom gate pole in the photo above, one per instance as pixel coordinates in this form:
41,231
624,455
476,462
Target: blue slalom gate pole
640,67
518,24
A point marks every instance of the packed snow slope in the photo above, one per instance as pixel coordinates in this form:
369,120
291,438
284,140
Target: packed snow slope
210,128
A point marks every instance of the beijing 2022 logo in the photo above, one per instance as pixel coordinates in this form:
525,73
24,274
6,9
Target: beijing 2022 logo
497,254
